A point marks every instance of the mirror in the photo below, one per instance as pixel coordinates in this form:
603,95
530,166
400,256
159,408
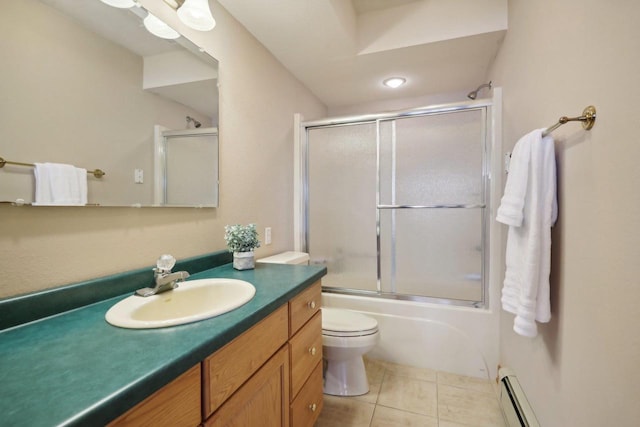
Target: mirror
85,84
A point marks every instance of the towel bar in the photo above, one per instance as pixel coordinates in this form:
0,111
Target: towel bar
588,119
98,173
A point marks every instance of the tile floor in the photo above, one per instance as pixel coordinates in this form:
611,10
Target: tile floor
411,397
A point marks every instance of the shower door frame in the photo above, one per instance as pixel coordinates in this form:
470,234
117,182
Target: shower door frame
484,106
161,137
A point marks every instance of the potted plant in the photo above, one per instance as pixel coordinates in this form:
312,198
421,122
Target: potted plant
242,240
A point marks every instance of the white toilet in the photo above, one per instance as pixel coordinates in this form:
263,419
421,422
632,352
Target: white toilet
346,337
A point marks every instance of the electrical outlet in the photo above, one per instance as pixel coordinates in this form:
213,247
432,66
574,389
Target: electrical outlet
267,235
138,176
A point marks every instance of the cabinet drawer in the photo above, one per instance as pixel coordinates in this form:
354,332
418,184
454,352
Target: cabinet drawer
305,349
228,368
306,407
176,404
304,306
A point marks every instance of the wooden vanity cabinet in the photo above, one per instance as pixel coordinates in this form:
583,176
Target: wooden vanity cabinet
287,389
269,376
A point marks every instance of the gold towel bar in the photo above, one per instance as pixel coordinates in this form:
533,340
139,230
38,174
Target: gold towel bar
98,173
588,119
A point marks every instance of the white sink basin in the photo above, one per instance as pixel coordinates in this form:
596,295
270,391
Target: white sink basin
191,301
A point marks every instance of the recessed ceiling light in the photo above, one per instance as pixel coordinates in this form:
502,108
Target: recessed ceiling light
394,82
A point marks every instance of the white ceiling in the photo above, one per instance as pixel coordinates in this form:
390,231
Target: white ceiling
342,50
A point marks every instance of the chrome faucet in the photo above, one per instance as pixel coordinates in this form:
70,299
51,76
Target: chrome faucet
165,280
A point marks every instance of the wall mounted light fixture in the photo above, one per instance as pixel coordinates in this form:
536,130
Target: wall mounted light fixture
193,13
158,28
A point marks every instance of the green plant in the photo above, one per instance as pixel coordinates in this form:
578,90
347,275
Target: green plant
241,238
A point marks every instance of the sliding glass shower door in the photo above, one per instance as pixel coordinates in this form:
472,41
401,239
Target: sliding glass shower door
396,206
341,213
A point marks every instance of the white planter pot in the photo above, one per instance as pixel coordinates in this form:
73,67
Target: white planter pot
244,260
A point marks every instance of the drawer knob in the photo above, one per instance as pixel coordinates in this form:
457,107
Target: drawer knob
312,351
312,304
313,407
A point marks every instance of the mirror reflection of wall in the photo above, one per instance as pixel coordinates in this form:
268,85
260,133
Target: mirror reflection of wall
71,96
185,174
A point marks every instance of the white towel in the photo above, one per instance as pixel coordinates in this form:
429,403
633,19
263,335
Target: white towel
529,207
60,185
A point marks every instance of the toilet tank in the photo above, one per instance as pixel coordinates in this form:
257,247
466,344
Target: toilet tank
290,257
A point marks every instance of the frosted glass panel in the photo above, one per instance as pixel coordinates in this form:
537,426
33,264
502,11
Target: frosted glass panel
436,252
191,172
437,159
342,204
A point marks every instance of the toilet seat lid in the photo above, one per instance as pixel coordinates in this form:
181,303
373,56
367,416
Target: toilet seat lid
337,320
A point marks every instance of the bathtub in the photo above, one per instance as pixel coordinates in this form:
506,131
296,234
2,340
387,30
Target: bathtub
460,340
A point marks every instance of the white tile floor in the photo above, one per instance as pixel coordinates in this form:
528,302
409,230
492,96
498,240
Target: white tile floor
411,397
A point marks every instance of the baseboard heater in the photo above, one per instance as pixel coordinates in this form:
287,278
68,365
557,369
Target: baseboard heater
515,406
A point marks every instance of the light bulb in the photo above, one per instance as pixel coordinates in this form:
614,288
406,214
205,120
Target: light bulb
394,82
159,28
122,4
197,15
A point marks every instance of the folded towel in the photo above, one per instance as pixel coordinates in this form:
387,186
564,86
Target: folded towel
529,207
60,185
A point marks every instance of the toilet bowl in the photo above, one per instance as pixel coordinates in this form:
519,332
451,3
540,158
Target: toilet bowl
346,337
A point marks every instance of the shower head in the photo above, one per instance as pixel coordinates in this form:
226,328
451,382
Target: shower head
474,94
196,123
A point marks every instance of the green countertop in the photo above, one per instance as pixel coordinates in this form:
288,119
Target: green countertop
76,369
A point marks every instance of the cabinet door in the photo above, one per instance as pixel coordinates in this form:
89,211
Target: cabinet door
175,405
262,401
228,368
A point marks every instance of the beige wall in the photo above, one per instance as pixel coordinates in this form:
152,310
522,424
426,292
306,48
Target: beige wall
45,247
558,57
